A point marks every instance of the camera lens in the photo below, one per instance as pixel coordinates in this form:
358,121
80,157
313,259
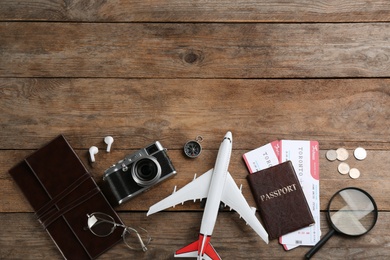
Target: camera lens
146,171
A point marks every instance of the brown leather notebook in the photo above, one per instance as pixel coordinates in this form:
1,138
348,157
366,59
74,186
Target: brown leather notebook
280,200
62,193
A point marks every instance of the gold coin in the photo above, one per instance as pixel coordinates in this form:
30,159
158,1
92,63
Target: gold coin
354,173
342,154
343,168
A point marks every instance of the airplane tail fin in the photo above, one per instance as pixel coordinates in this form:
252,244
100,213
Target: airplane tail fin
201,248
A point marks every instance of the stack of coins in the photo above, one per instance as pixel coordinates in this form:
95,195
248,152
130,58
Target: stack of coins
341,154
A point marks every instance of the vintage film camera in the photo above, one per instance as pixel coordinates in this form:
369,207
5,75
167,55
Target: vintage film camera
137,172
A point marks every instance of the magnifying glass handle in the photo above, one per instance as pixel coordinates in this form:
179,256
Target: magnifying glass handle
319,244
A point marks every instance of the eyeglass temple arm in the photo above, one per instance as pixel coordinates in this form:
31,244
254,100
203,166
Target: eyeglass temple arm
144,248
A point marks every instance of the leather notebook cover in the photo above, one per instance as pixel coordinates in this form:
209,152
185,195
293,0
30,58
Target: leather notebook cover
62,193
280,199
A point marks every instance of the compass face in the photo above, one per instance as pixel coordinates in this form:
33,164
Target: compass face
192,149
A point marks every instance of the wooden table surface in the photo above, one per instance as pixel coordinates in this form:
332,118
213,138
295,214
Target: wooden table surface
171,70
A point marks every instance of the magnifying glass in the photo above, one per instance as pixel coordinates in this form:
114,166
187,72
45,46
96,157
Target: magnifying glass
352,212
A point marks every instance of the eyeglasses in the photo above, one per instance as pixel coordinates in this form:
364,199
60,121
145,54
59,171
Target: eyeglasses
103,225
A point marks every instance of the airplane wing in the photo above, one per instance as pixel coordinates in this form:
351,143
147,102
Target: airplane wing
197,189
233,198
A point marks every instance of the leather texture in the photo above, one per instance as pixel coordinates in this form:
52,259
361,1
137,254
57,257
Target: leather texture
62,193
280,200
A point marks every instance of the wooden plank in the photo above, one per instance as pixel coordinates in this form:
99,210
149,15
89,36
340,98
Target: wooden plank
232,239
171,70
374,173
171,50
345,112
198,11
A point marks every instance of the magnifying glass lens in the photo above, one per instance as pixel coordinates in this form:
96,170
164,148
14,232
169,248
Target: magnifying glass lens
352,212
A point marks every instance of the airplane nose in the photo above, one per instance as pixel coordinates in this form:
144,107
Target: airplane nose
229,136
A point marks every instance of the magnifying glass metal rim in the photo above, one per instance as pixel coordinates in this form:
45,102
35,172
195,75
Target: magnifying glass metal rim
333,229
375,210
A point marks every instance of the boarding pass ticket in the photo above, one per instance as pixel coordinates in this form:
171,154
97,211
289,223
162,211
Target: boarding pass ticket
304,156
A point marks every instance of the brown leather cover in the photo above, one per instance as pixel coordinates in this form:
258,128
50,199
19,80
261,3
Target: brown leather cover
280,200
62,193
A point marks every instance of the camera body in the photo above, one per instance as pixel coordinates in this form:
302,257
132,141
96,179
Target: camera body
138,172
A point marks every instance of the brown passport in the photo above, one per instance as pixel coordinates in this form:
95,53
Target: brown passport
280,200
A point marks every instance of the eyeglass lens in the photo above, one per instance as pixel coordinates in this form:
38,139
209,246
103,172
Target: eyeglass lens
101,224
136,239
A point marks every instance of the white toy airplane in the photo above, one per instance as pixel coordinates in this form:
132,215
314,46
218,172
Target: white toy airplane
217,185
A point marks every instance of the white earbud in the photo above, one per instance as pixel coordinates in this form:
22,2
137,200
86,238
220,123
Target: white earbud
108,140
92,151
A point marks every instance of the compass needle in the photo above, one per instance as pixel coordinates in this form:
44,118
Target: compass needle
192,148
